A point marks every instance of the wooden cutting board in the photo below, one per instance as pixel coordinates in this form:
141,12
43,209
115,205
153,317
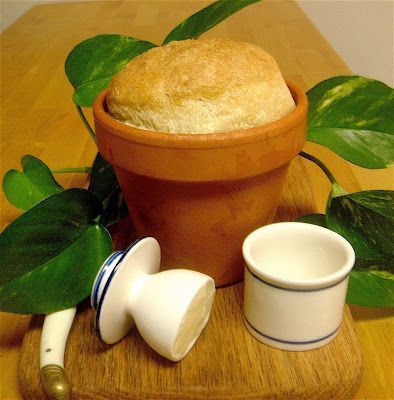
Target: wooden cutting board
226,362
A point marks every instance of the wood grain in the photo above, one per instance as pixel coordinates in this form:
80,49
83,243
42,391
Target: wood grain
226,363
38,117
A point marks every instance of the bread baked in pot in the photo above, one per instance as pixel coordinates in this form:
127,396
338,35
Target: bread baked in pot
200,86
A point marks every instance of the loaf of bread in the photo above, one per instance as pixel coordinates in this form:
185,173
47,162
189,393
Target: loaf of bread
200,86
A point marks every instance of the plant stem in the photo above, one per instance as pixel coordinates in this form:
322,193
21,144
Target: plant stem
320,164
86,123
84,170
336,190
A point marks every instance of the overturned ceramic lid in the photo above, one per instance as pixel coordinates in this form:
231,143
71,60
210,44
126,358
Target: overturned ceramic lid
170,308
200,86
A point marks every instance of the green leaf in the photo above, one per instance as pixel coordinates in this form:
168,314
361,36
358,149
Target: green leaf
104,184
371,288
50,255
353,116
91,65
25,189
366,220
205,19
314,219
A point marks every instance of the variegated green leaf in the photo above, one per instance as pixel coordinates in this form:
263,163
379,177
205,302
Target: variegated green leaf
92,63
366,220
314,219
205,19
371,288
104,184
353,116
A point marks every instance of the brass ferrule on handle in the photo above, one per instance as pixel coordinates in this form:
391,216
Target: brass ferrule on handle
54,336
55,382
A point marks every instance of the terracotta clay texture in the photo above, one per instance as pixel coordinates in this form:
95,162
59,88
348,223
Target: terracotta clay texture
200,195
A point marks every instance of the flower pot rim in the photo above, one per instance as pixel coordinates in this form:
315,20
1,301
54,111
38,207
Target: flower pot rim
202,140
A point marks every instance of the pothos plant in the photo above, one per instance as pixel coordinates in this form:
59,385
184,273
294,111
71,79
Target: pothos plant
49,256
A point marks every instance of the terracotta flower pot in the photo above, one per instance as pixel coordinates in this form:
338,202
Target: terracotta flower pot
200,195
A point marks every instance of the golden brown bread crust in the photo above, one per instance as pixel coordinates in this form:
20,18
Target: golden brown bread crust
200,86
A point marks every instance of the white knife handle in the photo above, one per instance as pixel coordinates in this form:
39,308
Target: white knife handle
53,343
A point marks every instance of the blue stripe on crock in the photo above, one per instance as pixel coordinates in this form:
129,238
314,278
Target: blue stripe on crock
293,342
292,289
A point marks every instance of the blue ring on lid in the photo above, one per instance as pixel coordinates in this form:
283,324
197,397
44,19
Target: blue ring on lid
111,275
108,265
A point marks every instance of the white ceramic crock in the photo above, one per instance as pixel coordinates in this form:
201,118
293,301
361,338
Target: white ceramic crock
296,278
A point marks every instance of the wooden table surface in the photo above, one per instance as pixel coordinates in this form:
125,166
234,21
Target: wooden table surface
38,117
